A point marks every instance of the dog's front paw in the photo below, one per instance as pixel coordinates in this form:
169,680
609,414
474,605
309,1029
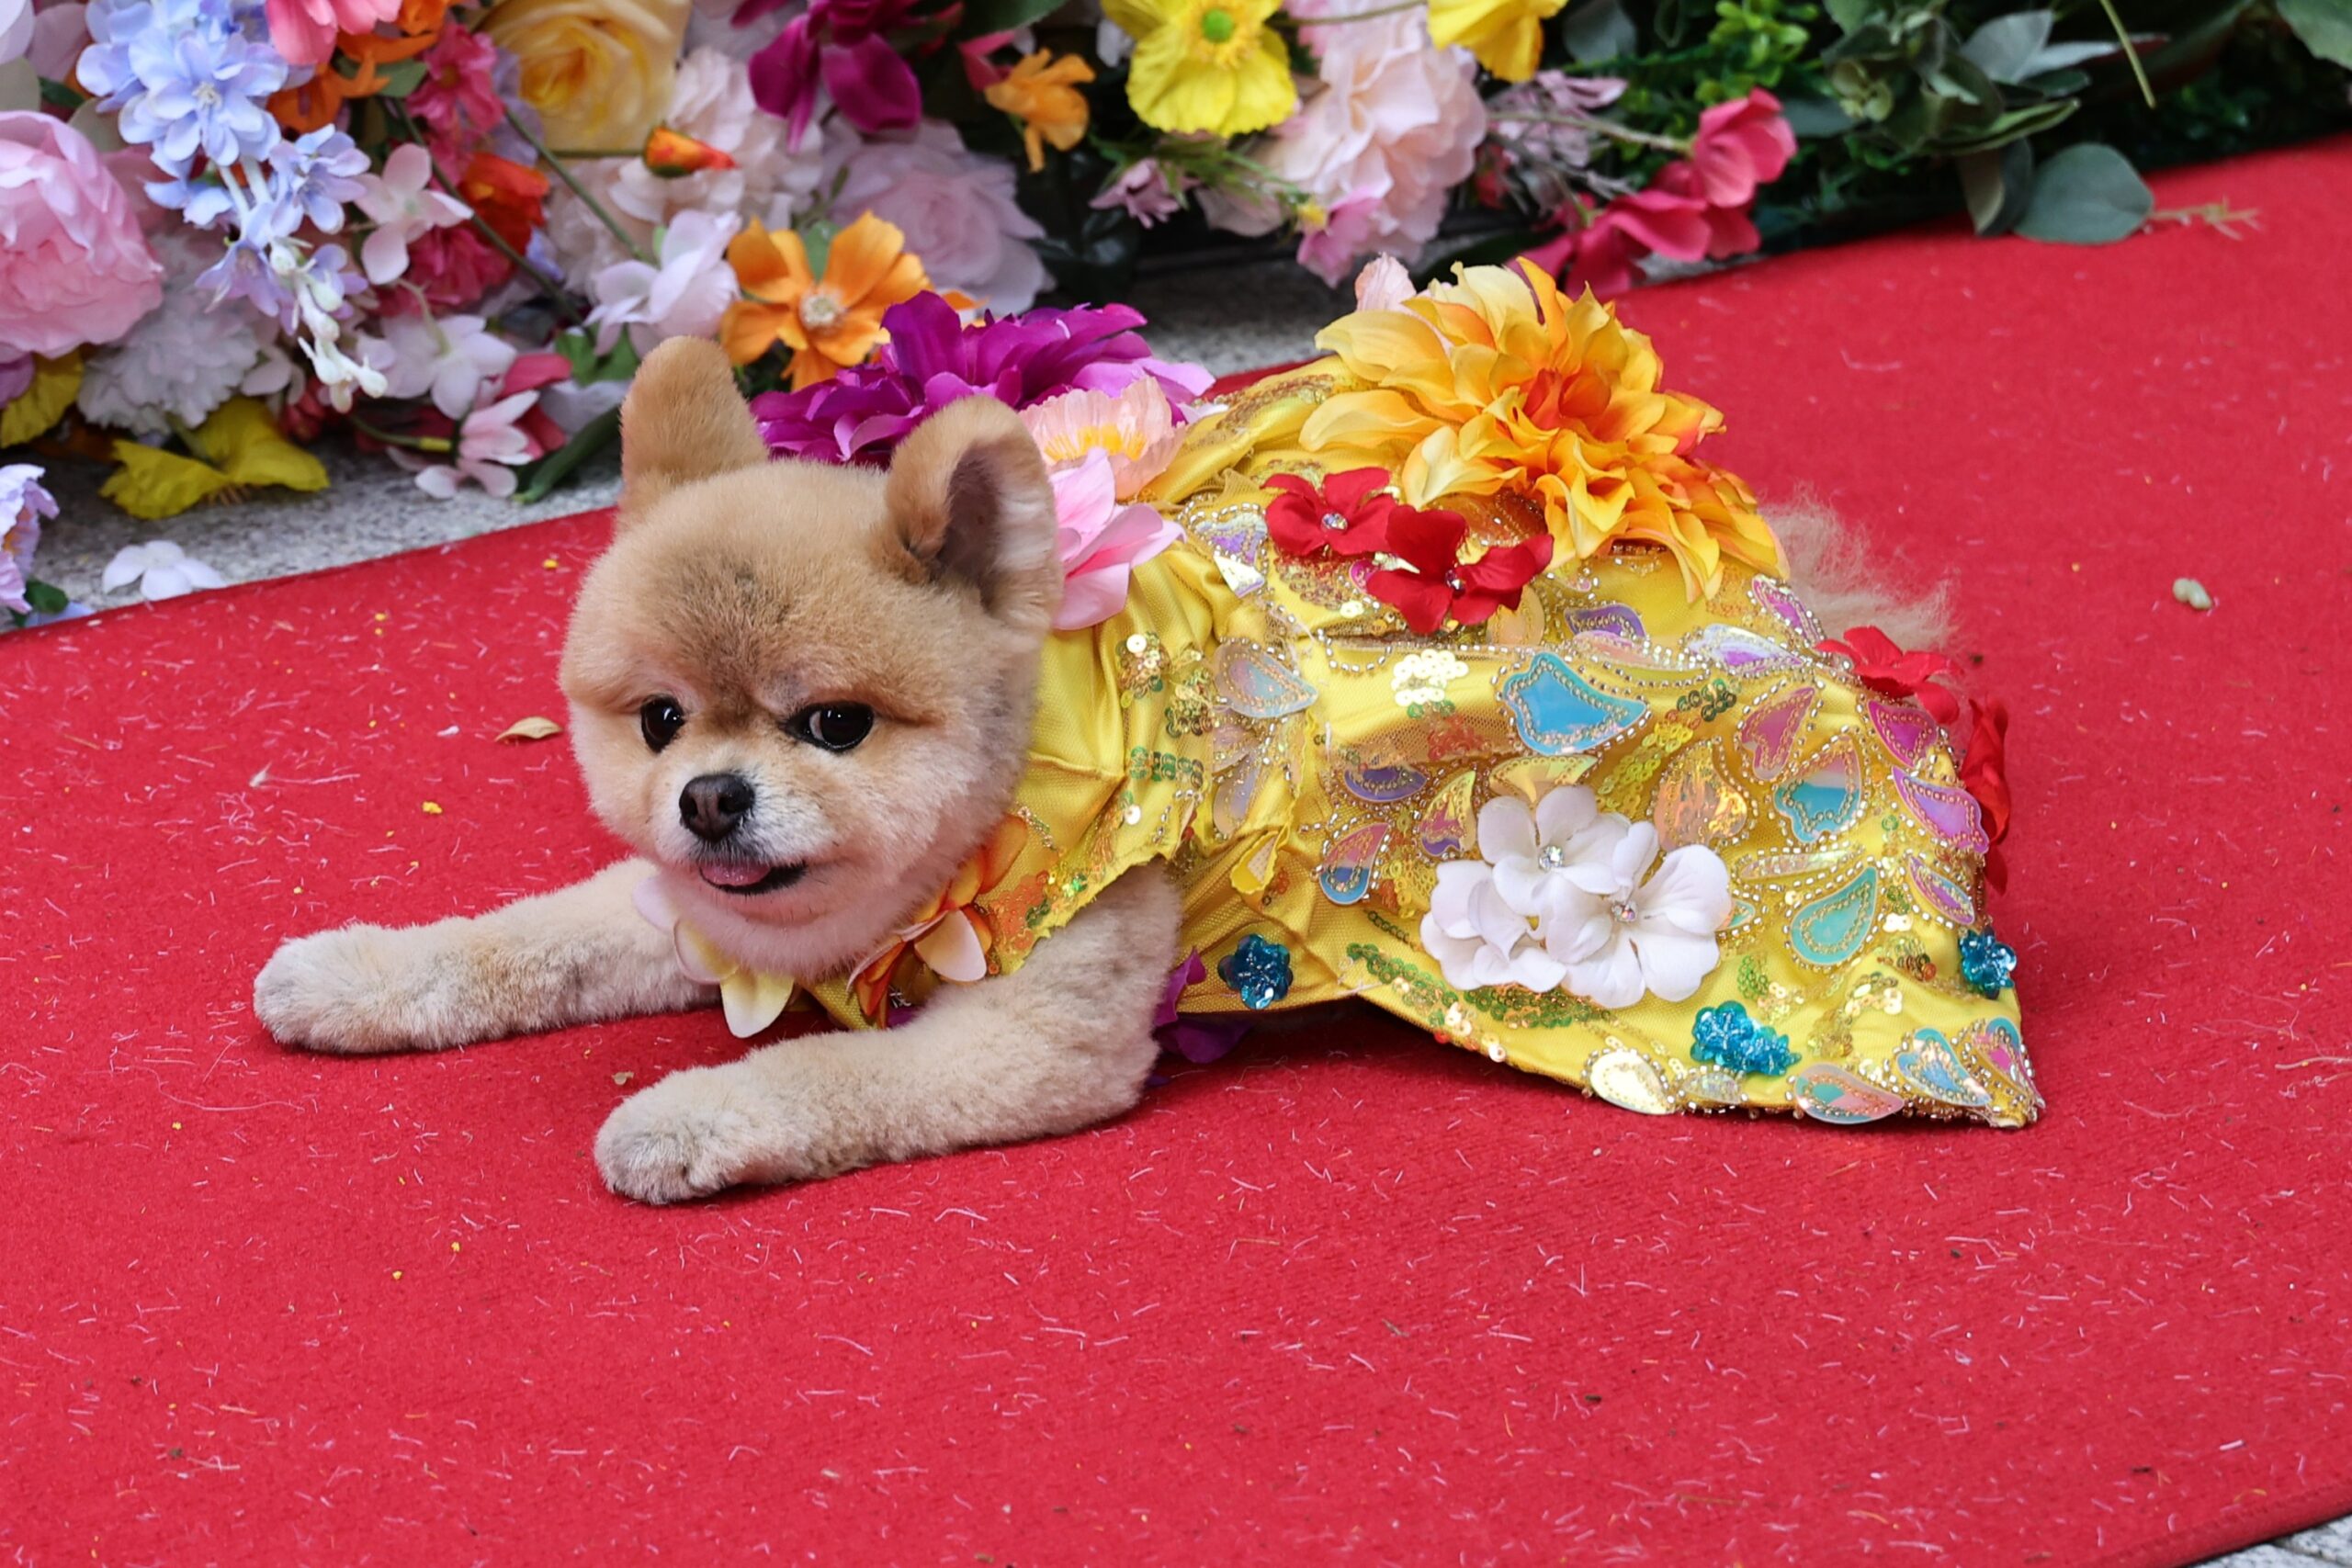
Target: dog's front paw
691,1134
346,991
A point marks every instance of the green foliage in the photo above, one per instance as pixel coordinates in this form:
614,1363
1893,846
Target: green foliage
2325,25
2088,195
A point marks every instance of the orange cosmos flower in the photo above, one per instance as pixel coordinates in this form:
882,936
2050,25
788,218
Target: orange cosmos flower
311,105
831,322
1497,380
1042,93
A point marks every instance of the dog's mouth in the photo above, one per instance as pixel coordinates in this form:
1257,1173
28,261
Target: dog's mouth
746,878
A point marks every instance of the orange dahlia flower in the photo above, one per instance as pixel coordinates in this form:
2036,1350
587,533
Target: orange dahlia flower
830,323
1499,380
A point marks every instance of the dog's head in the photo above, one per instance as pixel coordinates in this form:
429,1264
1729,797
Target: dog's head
807,690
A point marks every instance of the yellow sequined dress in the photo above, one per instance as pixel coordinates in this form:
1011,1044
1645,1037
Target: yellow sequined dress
1304,762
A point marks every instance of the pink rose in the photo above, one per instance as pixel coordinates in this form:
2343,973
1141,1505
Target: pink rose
73,268
1101,541
1741,145
956,208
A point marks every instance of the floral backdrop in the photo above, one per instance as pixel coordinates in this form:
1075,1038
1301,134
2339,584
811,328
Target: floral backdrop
450,231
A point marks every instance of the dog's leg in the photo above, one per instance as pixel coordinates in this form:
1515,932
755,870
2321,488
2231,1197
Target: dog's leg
1063,1042
572,956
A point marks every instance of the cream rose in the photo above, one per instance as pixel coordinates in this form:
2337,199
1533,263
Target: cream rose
599,71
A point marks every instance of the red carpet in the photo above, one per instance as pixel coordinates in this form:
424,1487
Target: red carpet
1347,1295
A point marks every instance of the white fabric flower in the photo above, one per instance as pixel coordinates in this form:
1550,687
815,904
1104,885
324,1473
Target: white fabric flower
162,569
1622,937
404,206
1478,939
490,446
179,362
449,359
1535,853
684,297
957,209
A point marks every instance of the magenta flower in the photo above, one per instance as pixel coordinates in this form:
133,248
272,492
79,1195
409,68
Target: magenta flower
844,45
933,357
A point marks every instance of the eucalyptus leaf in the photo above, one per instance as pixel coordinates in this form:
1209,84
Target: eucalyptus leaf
2058,56
2003,47
2012,125
1598,29
1850,15
558,464
2325,25
1814,118
1998,185
2087,195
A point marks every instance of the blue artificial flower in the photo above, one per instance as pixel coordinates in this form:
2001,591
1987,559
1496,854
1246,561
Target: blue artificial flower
1258,970
1725,1036
1986,962
313,176
183,77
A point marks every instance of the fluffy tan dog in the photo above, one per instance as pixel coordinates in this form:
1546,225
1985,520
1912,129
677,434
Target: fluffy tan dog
811,689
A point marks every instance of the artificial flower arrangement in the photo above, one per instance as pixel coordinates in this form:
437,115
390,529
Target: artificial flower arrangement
451,231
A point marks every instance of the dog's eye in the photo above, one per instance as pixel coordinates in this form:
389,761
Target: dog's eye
659,720
837,727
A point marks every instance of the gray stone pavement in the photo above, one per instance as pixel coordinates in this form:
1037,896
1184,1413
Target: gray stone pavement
1227,319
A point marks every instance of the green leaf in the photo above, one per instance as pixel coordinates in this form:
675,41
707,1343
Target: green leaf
1998,184
1598,29
46,598
817,239
2088,195
2002,47
2325,25
578,351
2030,119
558,464
1003,16
1812,119
401,78
1850,15
60,95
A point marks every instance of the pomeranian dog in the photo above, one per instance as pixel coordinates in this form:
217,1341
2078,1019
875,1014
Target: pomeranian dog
807,697
809,690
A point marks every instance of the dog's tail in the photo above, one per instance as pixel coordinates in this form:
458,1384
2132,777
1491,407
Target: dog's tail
1846,585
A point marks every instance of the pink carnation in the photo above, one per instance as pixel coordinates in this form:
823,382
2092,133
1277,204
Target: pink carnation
73,268
453,267
457,102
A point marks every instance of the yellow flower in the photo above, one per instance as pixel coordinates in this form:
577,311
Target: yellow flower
237,447
599,71
830,323
1506,35
1045,99
1498,380
1206,65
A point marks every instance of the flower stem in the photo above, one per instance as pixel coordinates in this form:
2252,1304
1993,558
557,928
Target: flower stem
563,172
2139,71
434,444
1594,122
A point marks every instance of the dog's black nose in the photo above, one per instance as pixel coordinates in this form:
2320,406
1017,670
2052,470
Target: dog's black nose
712,805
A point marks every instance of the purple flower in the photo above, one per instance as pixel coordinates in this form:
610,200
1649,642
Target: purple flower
844,45
933,357
314,174
1200,1038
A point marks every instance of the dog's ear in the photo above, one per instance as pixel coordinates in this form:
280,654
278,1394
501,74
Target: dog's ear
969,499
682,421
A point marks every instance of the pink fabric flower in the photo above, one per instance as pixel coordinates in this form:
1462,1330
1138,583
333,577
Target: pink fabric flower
1102,541
73,267
303,30
1147,190
1135,429
845,46
457,102
1741,145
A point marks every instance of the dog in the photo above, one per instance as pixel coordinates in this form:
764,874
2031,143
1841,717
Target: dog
807,697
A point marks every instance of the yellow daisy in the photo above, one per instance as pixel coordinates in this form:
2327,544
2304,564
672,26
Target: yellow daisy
1506,35
1206,65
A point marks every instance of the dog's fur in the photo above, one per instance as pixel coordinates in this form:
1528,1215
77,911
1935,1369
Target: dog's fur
750,591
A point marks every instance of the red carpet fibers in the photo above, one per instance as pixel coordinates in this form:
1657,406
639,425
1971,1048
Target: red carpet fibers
1349,1294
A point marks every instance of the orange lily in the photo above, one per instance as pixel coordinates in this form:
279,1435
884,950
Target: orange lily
673,154
830,323
954,935
1042,93
507,196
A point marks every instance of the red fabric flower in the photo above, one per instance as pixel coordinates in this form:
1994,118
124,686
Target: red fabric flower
1891,673
1983,773
1441,584
1344,517
1741,145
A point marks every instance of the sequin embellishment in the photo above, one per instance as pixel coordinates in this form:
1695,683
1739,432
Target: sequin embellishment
1696,801
1946,899
1725,1036
1827,1092
1742,652
1833,928
1826,797
1770,733
1775,598
1258,970
1986,962
1379,784
1624,1076
1256,685
1951,814
1929,1064
1350,860
1905,731
1448,827
1557,712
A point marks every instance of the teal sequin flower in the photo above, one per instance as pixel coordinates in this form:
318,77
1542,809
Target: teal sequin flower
1258,970
1725,1036
1986,962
